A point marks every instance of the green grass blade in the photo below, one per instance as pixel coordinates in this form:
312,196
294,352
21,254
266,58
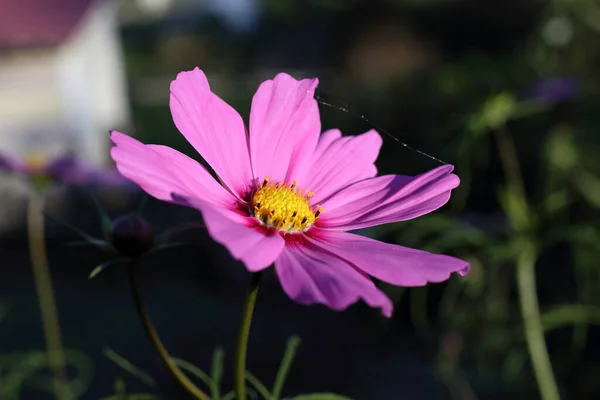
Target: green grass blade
284,367
129,367
216,373
320,396
258,385
192,369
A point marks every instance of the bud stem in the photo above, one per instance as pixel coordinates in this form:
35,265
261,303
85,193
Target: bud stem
156,342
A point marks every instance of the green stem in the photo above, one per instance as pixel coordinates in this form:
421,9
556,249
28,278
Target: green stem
519,215
534,333
514,179
177,373
46,298
242,340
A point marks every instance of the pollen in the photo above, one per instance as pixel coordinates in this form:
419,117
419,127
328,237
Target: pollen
284,207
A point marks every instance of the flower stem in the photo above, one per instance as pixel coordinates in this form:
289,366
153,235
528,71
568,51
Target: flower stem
242,340
177,373
45,293
534,332
521,221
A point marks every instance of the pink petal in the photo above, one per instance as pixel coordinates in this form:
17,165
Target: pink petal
310,275
388,198
160,171
215,129
245,238
388,262
284,128
342,161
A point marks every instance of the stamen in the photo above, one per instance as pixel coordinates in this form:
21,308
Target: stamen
284,207
319,211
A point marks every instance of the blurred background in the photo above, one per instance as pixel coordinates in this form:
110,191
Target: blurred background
507,91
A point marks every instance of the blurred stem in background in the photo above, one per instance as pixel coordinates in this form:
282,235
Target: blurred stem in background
45,293
242,340
521,220
534,332
177,373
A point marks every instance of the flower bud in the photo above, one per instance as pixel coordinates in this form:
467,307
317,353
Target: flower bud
131,235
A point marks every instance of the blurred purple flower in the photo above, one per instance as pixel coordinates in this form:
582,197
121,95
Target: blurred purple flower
65,169
11,164
555,89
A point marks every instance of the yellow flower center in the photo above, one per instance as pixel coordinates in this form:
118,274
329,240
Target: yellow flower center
284,207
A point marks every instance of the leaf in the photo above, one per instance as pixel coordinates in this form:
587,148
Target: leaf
229,396
319,396
129,367
192,369
570,314
160,247
496,111
516,207
102,267
284,367
132,396
216,373
87,238
258,385
105,220
165,246
96,242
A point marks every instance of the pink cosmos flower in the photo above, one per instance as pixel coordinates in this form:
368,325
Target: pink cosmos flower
286,194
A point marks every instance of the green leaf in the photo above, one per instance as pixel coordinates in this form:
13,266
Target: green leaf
96,242
216,373
163,247
284,367
102,267
520,216
132,396
86,238
105,220
496,111
319,396
258,385
192,369
129,367
570,314
229,396
561,150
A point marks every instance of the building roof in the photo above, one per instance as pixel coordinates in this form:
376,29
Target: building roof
39,23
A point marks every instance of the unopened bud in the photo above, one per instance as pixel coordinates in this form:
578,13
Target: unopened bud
131,235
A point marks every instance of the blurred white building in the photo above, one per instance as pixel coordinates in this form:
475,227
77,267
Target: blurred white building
62,77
